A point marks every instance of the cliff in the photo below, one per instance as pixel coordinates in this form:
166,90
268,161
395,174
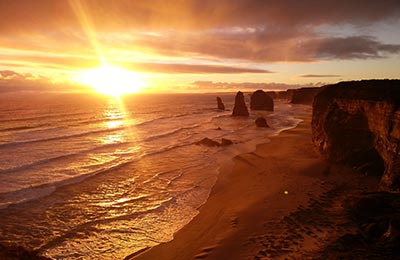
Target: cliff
299,96
304,95
358,123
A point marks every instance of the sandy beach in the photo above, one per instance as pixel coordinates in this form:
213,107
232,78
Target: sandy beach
281,201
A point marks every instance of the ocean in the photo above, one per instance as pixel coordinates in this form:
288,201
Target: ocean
91,177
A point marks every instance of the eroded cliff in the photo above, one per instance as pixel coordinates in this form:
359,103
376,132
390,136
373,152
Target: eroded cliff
358,123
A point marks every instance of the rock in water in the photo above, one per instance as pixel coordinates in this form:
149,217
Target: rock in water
226,142
208,142
220,104
358,123
261,101
240,108
261,122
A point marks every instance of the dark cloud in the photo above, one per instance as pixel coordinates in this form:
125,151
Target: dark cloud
250,30
246,86
318,76
193,68
356,47
191,14
266,46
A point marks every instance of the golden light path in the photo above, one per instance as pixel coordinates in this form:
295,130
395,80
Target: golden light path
111,80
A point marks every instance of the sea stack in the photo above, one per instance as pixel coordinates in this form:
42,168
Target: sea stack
358,123
220,104
261,101
240,108
261,122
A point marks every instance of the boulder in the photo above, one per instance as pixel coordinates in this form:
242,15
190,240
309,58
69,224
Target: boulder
261,101
240,108
208,142
220,104
358,123
261,122
18,252
226,142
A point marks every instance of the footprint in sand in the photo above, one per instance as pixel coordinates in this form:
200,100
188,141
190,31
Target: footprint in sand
234,221
204,252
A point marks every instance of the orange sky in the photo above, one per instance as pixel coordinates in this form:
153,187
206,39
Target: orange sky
201,46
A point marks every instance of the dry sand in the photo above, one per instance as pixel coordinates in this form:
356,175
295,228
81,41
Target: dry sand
281,201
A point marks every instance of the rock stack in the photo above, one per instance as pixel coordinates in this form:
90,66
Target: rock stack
261,101
240,108
261,122
220,104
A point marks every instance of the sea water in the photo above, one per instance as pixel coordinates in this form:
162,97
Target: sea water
92,177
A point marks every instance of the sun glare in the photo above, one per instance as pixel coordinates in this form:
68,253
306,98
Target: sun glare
111,80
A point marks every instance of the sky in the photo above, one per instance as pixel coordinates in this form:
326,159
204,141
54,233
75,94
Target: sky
198,45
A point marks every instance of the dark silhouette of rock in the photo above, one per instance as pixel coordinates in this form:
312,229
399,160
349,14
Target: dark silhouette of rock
220,104
272,94
240,108
18,253
286,95
226,142
358,123
212,143
304,95
261,122
208,142
261,101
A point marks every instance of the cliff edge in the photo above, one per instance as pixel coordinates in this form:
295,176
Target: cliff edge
358,123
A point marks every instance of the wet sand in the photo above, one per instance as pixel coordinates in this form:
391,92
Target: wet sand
281,201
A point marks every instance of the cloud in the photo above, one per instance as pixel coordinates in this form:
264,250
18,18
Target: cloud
204,86
262,45
319,76
192,68
81,62
258,31
158,14
11,81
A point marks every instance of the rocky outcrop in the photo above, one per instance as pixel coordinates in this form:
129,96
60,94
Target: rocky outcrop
261,122
226,142
240,108
212,143
358,123
18,253
261,101
304,95
287,94
208,142
220,104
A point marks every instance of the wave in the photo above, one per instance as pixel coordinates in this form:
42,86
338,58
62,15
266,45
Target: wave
58,158
62,137
41,117
35,192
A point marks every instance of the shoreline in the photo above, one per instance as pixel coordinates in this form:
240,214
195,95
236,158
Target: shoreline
248,208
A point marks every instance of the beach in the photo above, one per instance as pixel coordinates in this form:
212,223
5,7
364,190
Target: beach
281,201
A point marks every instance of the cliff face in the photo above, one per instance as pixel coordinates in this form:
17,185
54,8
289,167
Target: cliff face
358,123
304,95
299,96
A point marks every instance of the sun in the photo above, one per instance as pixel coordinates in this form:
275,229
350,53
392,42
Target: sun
111,80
